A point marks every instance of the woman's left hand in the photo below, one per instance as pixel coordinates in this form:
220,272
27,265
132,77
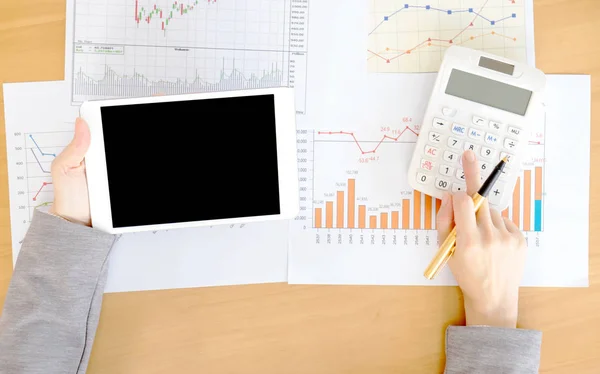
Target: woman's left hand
71,200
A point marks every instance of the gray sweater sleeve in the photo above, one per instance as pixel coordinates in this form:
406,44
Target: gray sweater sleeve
53,303
482,349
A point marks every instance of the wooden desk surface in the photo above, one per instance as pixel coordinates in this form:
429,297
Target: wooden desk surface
315,329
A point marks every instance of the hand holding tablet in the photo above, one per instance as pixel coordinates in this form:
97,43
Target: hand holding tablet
192,160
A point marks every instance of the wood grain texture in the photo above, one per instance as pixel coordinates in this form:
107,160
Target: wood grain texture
316,329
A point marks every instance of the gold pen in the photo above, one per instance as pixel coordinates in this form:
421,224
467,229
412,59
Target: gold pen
447,248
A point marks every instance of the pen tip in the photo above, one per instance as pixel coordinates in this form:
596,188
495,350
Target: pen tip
505,159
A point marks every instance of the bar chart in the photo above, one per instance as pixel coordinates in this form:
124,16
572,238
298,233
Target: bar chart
357,185
527,202
416,211
361,184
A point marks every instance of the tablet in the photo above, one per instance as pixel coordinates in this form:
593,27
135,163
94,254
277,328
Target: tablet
178,161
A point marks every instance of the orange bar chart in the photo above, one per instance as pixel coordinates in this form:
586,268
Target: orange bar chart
516,203
329,214
417,211
526,205
362,216
428,212
383,219
339,222
527,200
318,217
372,222
395,220
406,214
351,202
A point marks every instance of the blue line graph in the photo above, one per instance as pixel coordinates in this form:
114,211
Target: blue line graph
39,149
447,11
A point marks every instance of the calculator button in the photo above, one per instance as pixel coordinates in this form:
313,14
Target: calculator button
459,129
442,184
510,144
514,131
487,152
479,121
484,168
446,170
495,125
427,165
475,134
431,151
450,156
495,196
460,174
423,178
440,124
491,138
472,147
448,112
435,137
457,187
454,143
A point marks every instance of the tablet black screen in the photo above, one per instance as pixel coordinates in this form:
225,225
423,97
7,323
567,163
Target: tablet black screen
191,160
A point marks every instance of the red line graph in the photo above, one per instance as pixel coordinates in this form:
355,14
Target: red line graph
40,190
384,138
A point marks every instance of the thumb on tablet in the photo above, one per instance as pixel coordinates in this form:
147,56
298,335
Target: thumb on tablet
73,154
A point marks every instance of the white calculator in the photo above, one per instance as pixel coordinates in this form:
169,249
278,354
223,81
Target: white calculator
484,103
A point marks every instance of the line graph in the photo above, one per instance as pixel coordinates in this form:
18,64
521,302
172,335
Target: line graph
39,150
37,160
385,137
128,48
412,37
446,11
39,191
155,12
137,84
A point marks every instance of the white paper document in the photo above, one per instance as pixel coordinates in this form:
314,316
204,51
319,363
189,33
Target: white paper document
363,224
39,123
128,48
357,138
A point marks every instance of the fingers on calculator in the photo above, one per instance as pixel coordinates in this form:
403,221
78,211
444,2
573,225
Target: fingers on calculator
471,170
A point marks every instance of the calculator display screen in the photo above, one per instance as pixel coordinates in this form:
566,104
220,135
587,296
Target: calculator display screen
488,92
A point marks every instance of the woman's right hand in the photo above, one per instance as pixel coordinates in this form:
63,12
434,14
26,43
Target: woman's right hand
489,259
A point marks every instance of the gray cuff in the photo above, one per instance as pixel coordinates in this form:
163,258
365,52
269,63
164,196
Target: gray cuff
54,298
482,349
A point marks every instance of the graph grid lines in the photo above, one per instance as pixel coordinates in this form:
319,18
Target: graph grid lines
356,196
411,36
134,48
40,149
